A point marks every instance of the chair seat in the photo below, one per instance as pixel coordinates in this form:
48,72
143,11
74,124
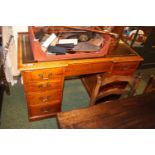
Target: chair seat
113,85
116,91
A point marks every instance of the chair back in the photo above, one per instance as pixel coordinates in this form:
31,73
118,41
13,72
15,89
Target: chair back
150,85
114,85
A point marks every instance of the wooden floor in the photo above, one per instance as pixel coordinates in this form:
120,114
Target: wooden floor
133,113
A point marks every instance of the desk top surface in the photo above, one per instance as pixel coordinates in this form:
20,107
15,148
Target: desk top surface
134,112
25,56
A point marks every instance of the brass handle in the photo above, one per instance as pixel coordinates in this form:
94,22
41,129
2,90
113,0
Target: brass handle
45,99
44,85
49,76
45,78
45,110
126,68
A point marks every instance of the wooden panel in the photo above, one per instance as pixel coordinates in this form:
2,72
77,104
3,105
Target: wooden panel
44,97
42,74
43,111
124,68
88,68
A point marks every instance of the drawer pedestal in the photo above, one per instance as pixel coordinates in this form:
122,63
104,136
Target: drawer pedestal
43,90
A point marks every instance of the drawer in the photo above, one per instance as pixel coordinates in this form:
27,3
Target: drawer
42,75
88,68
43,111
44,86
125,68
44,98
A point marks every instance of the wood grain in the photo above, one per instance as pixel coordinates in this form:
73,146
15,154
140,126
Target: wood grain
137,112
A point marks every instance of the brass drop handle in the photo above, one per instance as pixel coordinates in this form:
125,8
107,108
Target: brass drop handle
126,68
45,99
45,110
49,76
44,85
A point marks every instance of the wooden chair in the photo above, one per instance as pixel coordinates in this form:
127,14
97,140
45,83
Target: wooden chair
150,85
113,87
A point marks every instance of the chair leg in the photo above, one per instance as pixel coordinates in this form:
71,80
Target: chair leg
149,84
96,90
136,84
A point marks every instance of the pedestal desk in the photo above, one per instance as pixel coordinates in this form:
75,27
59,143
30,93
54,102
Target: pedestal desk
44,81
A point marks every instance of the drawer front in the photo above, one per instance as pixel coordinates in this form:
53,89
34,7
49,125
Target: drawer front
44,86
42,75
125,68
44,98
43,111
88,68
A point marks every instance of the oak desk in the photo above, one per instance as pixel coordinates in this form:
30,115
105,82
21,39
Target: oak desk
136,112
44,81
